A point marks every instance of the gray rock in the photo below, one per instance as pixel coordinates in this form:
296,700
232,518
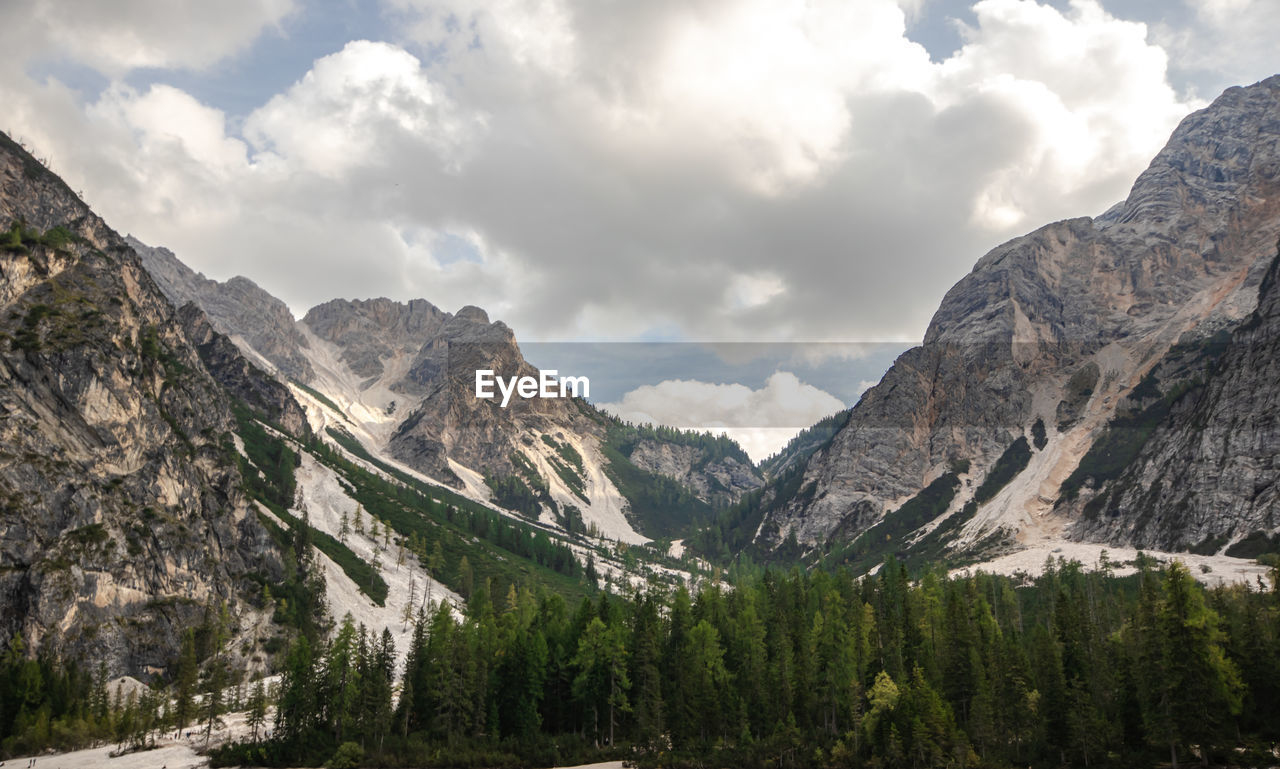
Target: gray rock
237,308
1181,257
121,515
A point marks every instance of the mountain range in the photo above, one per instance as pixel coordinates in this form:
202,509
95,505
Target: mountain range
170,439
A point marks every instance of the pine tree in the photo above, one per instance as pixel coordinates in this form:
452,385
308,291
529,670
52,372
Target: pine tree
185,681
298,703
466,578
406,615
1199,685
435,563
340,685
707,680
602,681
257,710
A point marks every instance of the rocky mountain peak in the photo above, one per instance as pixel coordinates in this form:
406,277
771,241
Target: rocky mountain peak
238,308
473,314
1180,259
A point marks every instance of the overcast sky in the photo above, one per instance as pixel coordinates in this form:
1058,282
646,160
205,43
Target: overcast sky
742,170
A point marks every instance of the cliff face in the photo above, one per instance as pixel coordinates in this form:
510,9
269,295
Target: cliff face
1056,328
718,482
238,308
408,369
240,378
376,333
122,516
1205,478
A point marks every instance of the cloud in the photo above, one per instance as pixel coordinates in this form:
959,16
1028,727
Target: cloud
122,35
734,170
762,420
1090,94
1220,43
352,105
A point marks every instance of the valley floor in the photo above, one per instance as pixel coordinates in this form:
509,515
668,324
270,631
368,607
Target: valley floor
171,754
1208,569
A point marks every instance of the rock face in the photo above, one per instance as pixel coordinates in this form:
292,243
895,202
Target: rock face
237,308
122,515
1206,477
372,331
239,377
718,482
416,364
1051,332
401,376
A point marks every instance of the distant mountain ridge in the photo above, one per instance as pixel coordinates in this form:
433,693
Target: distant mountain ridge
399,378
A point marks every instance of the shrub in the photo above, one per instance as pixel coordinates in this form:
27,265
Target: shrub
348,756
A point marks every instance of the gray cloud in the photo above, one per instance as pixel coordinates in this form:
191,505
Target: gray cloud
737,169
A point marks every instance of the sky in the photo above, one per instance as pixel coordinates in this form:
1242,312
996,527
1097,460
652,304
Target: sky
597,171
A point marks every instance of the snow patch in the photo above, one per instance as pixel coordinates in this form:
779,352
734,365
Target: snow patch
325,501
1221,569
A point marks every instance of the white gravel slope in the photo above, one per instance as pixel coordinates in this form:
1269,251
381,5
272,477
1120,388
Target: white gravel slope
322,495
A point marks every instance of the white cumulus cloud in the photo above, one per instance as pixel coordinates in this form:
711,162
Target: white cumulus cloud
762,420
122,35
745,170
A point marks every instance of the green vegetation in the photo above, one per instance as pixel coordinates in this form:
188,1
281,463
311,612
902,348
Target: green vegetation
50,704
20,239
513,493
1125,436
495,548
1076,394
729,537
806,443
660,506
1039,436
890,533
568,466
360,571
731,533
59,313
1013,461
623,437
1255,545
806,670
322,398
269,478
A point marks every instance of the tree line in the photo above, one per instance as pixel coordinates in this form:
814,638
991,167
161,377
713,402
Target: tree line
807,670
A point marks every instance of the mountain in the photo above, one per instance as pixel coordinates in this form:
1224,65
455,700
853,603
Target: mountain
968,440
237,308
398,380
158,485
1193,461
123,523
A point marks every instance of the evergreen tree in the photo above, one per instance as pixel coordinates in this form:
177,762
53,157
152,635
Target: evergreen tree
188,672
256,714
602,681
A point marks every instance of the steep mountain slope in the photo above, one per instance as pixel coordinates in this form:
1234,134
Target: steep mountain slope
1028,356
1203,476
123,518
237,308
399,379
803,445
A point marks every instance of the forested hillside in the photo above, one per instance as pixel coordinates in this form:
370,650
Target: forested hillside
1071,668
